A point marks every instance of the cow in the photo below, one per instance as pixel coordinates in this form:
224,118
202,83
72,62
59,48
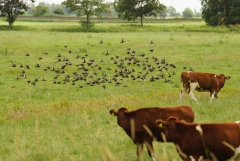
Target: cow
139,124
202,82
214,141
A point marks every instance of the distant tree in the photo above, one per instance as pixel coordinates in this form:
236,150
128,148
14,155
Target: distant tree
12,8
197,14
40,10
188,13
59,11
132,9
172,11
164,13
221,12
87,8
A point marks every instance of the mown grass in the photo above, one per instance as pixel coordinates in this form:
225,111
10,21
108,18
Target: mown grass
121,26
63,122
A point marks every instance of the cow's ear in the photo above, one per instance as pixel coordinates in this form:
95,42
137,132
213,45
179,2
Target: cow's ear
227,77
160,123
113,112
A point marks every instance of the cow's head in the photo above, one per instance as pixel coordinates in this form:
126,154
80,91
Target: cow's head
115,113
164,125
221,79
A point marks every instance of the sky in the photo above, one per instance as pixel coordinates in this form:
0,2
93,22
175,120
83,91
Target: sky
179,5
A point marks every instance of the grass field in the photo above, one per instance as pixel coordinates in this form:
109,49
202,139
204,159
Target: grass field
67,119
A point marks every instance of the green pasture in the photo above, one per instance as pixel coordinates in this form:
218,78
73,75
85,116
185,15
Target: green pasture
65,120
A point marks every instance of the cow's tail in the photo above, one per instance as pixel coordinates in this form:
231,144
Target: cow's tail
181,77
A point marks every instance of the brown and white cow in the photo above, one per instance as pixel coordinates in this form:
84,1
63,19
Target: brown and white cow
140,125
215,141
202,82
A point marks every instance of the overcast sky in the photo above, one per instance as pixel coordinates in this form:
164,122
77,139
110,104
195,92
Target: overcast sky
179,5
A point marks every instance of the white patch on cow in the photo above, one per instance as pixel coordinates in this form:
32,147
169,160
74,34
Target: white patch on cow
237,122
153,157
212,96
215,75
200,158
191,157
198,128
193,86
237,151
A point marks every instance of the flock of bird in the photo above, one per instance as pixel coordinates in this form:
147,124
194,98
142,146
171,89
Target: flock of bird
111,69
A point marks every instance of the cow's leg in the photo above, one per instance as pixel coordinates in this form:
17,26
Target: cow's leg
139,151
213,95
149,146
183,91
193,86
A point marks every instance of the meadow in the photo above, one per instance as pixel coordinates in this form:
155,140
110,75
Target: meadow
46,114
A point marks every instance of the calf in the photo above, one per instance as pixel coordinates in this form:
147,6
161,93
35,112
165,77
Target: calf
217,141
140,125
202,82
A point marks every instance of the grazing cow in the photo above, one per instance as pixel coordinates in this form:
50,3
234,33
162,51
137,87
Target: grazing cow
202,82
215,141
140,125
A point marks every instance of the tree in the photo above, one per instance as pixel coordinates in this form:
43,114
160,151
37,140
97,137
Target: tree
87,8
40,10
172,11
132,9
164,13
58,11
197,14
12,8
188,13
221,12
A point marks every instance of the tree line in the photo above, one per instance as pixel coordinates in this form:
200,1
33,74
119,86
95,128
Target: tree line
214,12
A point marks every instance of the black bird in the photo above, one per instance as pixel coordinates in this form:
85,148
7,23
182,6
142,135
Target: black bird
14,65
65,46
191,69
107,53
100,42
151,50
37,65
46,53
69,51
39,58
142,55
122,41
59,55
172,65
21,65
151,42
27,54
